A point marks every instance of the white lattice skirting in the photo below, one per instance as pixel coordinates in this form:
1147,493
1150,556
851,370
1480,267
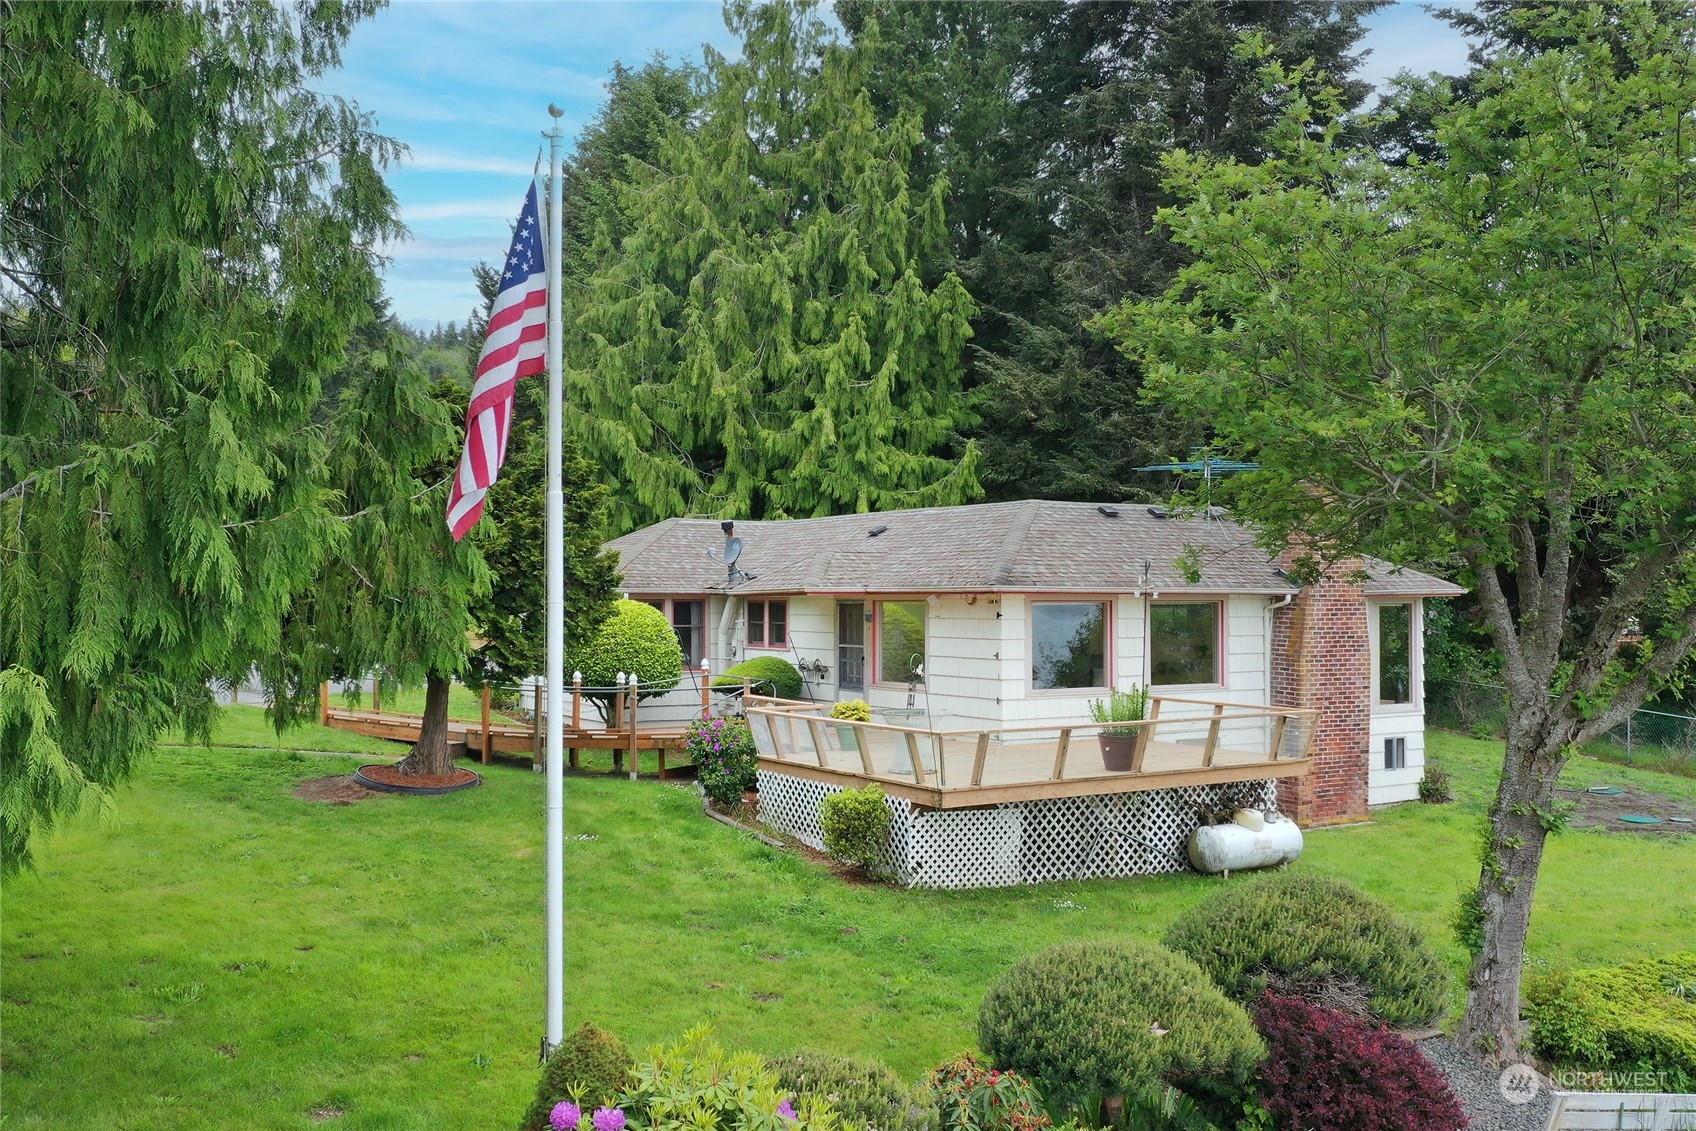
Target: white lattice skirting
1023,842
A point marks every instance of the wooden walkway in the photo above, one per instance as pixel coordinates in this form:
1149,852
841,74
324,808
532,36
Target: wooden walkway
488,737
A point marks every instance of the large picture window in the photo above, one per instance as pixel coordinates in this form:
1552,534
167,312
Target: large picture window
1183,642
1068,644
768,624
1395,653
900,641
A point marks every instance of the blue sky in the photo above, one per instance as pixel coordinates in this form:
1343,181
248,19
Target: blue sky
466,86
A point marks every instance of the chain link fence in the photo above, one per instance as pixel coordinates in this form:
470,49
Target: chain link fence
1650,740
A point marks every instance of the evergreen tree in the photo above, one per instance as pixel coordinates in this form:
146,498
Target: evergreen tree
186,235
392,596
1050,121
762,341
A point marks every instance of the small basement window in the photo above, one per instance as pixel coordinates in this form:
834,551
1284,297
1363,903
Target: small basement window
1395,753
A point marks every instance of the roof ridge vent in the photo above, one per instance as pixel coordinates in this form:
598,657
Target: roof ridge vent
1107,511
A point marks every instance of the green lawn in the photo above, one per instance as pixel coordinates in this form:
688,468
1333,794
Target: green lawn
221,954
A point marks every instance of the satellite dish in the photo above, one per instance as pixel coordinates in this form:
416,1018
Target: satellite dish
732,551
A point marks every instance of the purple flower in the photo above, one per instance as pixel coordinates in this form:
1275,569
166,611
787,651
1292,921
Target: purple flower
609,1119
787,1111
565,1116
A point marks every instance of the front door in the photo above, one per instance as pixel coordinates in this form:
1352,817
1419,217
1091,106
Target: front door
851,645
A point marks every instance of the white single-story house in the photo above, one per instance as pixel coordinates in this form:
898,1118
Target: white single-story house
1005,616
1022,613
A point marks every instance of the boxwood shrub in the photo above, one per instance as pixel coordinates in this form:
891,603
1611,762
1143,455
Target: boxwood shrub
590,1068
867,1095
1116,1018
1328,1071
1315,938
856,825
635,639
771,675
1638,1016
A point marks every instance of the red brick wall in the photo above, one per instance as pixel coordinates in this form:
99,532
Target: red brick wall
1321,658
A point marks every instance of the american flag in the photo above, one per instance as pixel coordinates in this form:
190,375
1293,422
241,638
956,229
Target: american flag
516,346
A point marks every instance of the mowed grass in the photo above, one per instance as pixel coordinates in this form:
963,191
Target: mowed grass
222,954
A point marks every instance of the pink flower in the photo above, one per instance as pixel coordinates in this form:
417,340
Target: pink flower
786,1110
565,1116
609,1119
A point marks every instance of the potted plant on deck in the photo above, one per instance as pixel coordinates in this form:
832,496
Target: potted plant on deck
1119,743
853,710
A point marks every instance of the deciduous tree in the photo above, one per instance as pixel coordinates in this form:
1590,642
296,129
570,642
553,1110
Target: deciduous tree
1490,358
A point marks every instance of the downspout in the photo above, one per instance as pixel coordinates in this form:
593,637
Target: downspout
1271,608
727,630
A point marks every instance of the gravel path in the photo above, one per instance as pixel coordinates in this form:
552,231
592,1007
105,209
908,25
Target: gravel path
1479,1090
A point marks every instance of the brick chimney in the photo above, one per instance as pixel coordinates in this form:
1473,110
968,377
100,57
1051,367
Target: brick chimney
1322,658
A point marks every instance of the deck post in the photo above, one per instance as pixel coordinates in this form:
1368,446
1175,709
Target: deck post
324,703
1212,735
1278,726
817,729
1145,735
377,695
979,757
706,687
635,699
941,762
913,752
485,724
864,748
576,714
1060,749
617,721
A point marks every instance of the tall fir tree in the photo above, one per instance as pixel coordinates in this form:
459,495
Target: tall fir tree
763,342
187,236
1050,121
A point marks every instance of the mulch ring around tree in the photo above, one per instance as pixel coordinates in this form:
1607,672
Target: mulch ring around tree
340,789
1605,810
390,779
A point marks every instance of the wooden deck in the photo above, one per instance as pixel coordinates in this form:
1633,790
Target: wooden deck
1195,743
487,737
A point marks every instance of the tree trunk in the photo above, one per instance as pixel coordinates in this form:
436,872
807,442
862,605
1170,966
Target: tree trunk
1524,812
431,755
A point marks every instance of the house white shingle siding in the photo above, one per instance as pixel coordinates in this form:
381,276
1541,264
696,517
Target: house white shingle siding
977,571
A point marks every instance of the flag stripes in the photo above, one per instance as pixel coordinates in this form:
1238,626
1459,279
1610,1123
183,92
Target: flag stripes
515,346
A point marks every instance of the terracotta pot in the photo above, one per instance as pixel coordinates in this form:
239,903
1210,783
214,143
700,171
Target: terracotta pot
1119,751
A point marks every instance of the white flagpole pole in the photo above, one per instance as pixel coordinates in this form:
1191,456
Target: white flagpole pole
555,750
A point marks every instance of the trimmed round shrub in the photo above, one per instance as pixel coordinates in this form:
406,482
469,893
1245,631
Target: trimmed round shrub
971,1096
637,640
1641,1013
771,675
1328,1071
856,825
867,1095
1116,1018
726,764
590,1068
1315,938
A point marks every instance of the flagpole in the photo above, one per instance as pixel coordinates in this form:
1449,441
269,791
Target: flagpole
555,749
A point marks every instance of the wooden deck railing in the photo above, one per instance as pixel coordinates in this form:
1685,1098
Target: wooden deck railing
1184,742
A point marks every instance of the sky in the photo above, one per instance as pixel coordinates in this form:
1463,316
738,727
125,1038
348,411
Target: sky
466,86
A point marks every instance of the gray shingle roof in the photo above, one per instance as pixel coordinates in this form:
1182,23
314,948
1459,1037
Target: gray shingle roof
1030,546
